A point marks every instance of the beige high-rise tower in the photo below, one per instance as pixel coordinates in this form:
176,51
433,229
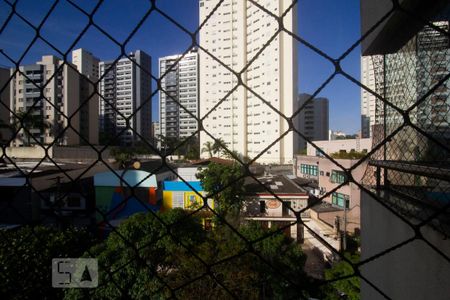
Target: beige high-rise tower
235,34
87,65
60,85
368,100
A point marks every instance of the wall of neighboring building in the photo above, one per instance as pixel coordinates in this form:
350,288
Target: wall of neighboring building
72,104
333,146
33,152
413,271
188,173
4,106
329,176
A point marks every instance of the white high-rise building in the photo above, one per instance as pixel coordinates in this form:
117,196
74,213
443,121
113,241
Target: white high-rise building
235,34
125,105
368,100
180,84
87,65
86,62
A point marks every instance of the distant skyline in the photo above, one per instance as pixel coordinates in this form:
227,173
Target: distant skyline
332,26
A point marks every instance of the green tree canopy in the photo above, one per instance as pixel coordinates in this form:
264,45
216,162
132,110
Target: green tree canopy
26,259
149,260
349,288
226,186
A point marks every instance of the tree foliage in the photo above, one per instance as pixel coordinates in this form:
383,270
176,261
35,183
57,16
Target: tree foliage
208,147
225,185
26,259
146,257
346,288
349,155
123,155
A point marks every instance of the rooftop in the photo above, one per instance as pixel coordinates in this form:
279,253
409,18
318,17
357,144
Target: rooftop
279,184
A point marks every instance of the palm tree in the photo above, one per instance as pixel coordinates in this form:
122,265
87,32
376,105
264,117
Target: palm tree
27,121
208,147
57,131
217,146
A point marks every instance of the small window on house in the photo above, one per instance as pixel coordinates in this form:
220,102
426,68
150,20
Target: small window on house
262,206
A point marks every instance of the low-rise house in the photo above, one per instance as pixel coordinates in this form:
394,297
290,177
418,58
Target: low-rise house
187,195
264,207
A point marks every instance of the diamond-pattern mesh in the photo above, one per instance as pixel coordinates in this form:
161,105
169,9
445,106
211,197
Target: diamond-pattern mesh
409,162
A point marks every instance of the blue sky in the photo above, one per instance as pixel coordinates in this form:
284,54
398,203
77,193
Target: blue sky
330,25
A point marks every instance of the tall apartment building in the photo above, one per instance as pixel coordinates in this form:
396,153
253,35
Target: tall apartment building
62,100
180,85
4,105
234,34
87,65
313,119
125,95
368,100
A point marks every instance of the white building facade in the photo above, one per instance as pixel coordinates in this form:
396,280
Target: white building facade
87,65
235,34
368,100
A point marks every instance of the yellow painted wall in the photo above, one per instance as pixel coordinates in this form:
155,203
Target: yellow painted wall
188,197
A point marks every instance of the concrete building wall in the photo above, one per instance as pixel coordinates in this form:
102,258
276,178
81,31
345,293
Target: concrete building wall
88,67
71,94
86,63
180,84
329,176
234,34
60,84
413,271
368,100
5,103
188,173
313,119
333,146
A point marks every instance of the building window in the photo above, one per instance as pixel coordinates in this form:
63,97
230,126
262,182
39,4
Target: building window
339,199
262,206
338,176
308,169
